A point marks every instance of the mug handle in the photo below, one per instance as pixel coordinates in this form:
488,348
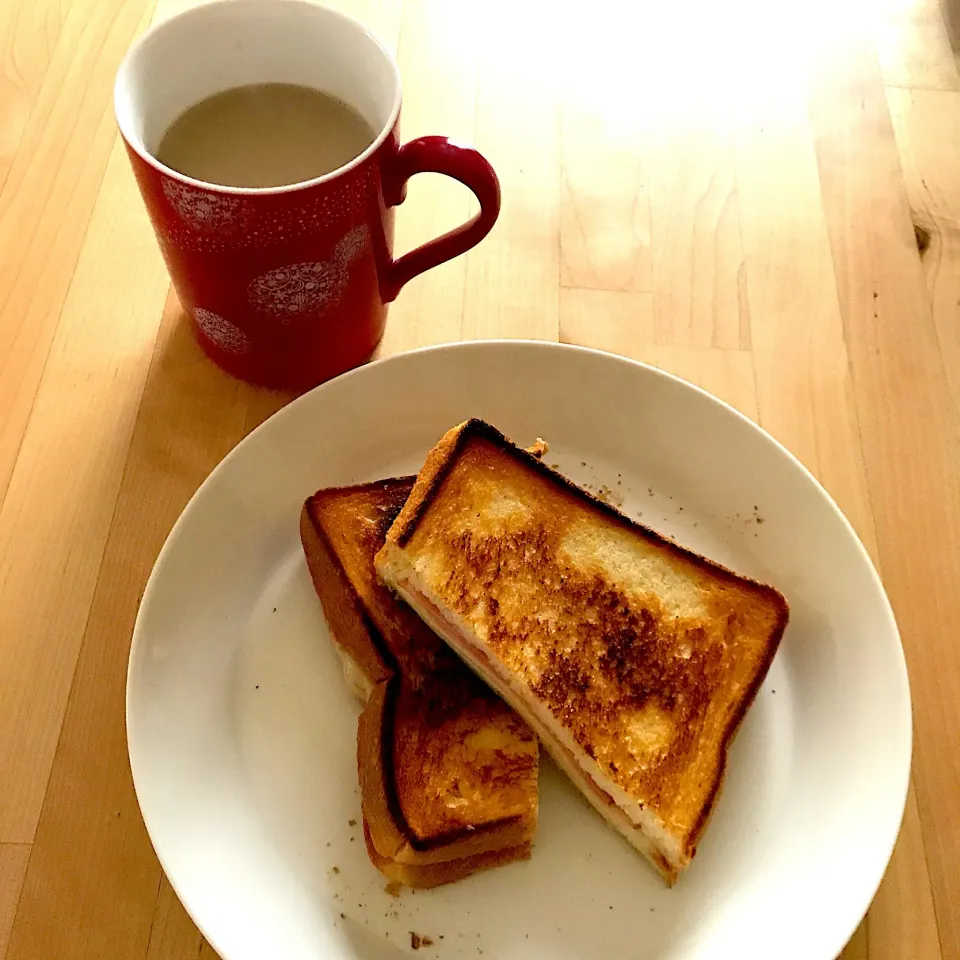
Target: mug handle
440,155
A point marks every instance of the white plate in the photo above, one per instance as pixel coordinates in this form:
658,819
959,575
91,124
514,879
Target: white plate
242,733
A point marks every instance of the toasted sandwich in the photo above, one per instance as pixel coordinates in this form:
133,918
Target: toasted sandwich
448,773
633,659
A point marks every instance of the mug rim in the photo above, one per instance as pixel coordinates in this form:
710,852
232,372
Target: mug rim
140,150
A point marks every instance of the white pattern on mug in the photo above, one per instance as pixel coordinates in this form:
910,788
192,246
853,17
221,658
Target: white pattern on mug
299,288
201,210
227,336
352,244
288,292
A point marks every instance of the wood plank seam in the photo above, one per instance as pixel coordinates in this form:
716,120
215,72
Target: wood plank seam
156,346
870,482
53,336
183,375
4,934
156,908
834,161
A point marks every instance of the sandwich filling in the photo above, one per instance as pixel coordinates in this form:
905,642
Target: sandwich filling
642,829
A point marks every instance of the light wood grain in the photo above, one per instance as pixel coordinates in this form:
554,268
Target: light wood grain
28,36
699,278
63,486
909,428
517,129
902,921
48,196
727,374
624,323
913,45
616,320
927,128
605,204
171,452
728,192
431,308
13,868
173,935
802,370
858,948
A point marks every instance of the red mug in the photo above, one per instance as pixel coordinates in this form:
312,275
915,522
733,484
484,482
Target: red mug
286,286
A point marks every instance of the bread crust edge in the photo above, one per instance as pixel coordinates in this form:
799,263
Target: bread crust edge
441,460
501,841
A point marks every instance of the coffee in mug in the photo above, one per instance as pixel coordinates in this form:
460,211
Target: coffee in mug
265,135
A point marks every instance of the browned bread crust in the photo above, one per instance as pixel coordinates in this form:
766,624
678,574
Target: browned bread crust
447,771
436,874
341,528
627,664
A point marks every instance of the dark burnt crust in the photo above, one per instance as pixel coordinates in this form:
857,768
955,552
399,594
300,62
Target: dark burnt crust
393,682
427,875
317,548
421,499
377,641
425,494
419,653
770,651
356,488
480,428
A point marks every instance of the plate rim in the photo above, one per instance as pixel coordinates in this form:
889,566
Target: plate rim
536,346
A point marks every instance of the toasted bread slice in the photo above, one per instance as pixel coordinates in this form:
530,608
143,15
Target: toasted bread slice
448,773
634,659
435,874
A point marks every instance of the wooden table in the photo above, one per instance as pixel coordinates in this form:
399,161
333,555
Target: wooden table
736,192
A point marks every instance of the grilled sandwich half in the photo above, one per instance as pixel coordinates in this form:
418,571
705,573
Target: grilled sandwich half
632,658
448,773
